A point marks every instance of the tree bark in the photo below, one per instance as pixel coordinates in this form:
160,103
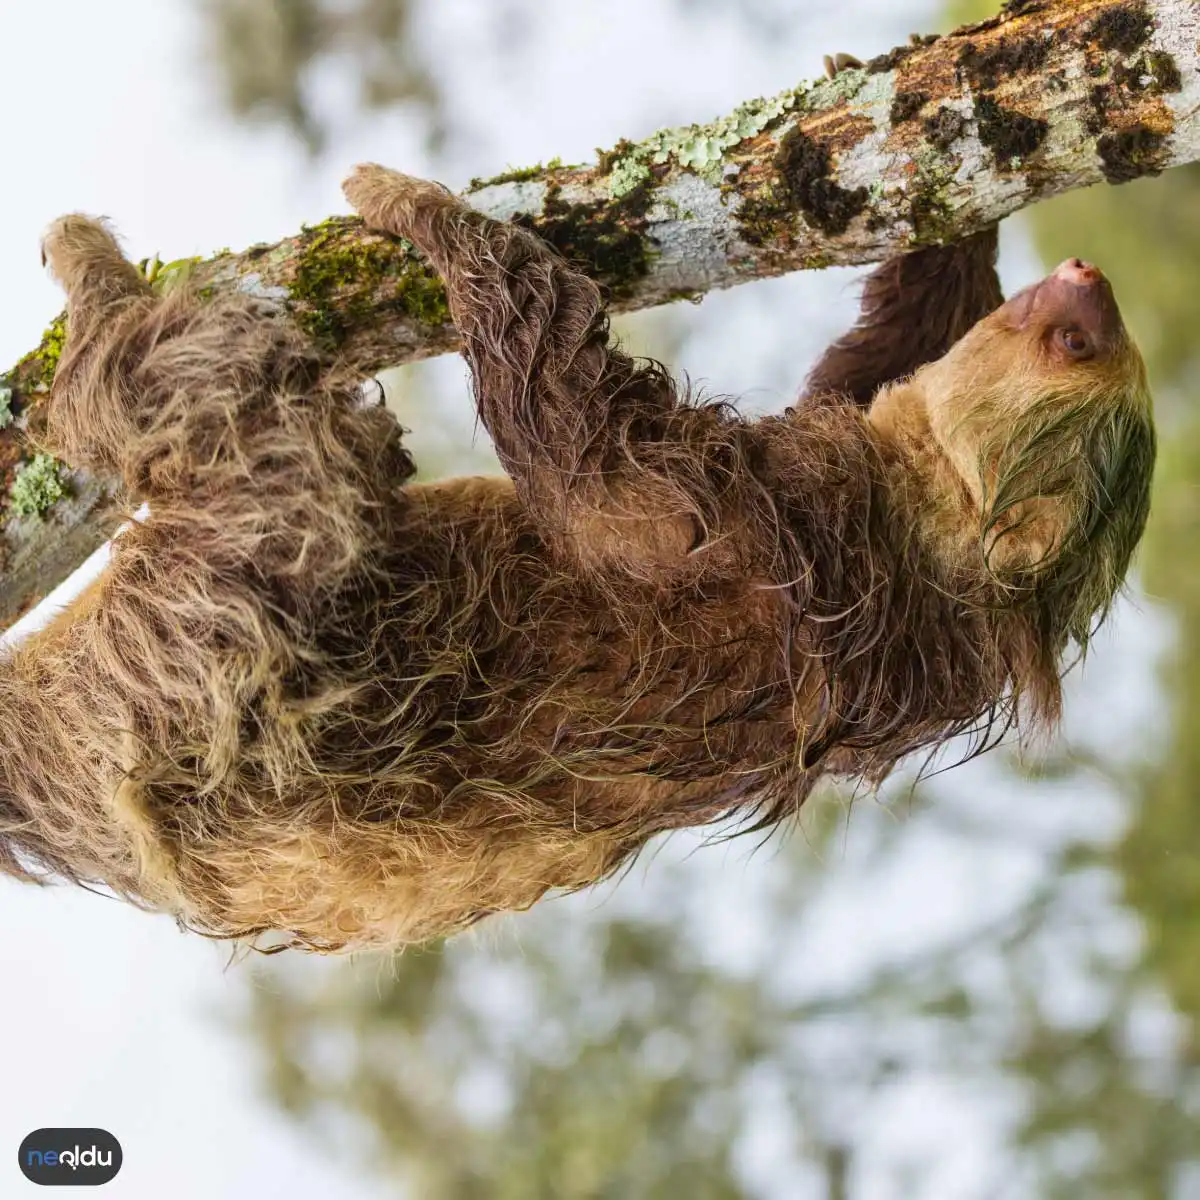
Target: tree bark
925,144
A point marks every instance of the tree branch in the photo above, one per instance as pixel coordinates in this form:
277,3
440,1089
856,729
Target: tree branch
925,144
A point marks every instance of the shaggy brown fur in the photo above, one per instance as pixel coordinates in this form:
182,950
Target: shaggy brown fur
312,697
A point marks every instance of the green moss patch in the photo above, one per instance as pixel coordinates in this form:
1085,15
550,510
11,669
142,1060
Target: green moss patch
1154,73
342,276
37,487
763,221
929,215
36,370
517,175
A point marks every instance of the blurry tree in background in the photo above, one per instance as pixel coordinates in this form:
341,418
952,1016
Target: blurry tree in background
719,1030
270,56
1145,1118
607,1057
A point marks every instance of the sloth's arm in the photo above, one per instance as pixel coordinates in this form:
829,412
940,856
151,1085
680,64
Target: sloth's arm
914,308
622,474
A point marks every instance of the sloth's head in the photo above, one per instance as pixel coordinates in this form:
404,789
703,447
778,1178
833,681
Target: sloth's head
1043,415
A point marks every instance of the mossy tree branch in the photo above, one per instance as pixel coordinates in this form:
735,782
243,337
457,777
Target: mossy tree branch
927,143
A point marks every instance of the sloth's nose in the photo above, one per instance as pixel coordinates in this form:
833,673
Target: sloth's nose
1078,272
1076,293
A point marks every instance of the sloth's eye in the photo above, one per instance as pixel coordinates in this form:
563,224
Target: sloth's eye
1076,343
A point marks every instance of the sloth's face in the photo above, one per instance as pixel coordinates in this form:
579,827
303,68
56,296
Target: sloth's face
1071,317
1058,345
1044,413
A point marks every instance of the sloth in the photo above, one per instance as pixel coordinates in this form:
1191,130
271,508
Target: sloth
316,703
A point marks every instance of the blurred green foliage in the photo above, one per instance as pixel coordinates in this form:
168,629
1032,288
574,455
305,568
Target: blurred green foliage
593,1087
269,56
1146,1130
1159,858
